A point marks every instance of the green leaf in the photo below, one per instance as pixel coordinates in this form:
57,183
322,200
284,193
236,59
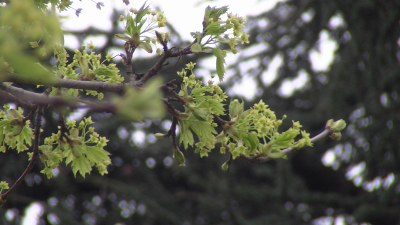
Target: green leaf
236,108
213,13
285,139
98,157
199,113
144,9
81,165
146,46
27,69
122,37
130,26
276,154
186,136
139,104
104,71
215,28
251,141
220,63
203,129
179,157
196,48
82,149
215,106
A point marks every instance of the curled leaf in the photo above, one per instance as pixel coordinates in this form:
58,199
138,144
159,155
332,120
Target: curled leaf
146,46
179,157
220,64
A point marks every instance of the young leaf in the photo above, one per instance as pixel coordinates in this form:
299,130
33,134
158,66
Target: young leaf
140,104
215,28
236,108
196,47
122,37
82,165
220,64
186,136
251,141
179,157
146,46
3,186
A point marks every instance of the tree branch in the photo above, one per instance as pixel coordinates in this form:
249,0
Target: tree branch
168,53
80,84
8,96
323,134
90,85
34,98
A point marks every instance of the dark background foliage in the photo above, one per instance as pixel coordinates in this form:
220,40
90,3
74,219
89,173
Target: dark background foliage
361,85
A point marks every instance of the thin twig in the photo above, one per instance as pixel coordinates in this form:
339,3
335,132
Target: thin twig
168,53
154,69
171,109
172,133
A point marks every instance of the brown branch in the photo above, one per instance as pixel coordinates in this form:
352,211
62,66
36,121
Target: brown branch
42,99
168,53
8,96
154,69
127,60
79,84
35,151
90,85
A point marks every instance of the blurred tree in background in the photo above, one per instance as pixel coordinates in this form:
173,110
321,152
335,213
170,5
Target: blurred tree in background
354,182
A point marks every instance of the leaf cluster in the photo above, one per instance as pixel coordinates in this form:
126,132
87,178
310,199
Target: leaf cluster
138,24
79,146
88,66
251,132
202,103
218,30
15,132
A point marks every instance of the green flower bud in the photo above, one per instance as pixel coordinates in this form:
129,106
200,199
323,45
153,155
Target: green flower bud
179,157
338,125
160,135
225,165
336,136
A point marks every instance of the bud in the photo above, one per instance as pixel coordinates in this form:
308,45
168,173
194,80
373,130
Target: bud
179,157
225,165
339,125
235,108
336,136
160,135
329,124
